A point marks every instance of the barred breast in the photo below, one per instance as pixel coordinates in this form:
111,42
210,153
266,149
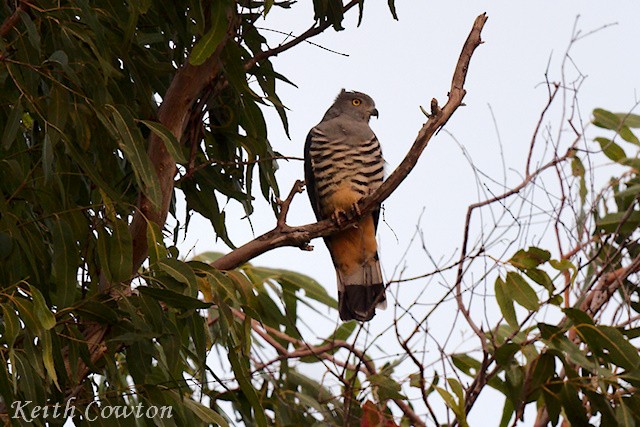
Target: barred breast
344,172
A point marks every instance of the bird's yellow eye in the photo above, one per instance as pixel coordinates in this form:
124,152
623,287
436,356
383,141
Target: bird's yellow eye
356,102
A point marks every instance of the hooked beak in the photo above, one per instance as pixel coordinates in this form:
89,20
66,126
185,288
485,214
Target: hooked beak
374,112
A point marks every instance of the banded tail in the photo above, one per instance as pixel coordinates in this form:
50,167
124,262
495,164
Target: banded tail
362,291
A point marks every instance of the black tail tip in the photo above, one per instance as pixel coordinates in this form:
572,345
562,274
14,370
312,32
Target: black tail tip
359,301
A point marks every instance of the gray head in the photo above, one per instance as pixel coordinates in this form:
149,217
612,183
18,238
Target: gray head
357,105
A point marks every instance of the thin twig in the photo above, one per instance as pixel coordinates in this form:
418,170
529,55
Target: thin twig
313,31
540,120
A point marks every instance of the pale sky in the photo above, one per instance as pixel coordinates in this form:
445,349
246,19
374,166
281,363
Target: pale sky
402,65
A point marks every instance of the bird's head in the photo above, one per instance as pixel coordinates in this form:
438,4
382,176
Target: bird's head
358,105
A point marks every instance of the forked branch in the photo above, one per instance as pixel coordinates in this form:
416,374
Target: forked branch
299,236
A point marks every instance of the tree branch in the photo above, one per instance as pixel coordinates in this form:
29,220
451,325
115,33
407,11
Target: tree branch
299,236
313,31
12,20
321,351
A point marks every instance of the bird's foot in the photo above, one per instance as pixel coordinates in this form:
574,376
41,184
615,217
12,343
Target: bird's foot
339,216
355,209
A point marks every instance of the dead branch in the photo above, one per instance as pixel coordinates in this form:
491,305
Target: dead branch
298,187
300,236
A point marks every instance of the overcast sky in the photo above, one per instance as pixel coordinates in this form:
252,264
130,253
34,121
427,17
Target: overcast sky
402,65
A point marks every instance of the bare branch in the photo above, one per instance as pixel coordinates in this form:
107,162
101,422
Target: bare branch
298,187
299,236
540,120
467,225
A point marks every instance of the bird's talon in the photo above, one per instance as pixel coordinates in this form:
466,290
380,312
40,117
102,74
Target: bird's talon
356,209
336,216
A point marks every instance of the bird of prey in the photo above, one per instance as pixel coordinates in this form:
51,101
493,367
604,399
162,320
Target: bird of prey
343,163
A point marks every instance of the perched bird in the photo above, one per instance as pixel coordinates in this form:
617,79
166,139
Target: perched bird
343,163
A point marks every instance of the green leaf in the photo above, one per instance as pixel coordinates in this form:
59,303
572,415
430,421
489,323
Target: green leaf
27,314
556,339
47,357
466,363
610,149
12,125
204,202
155,242
120,254
57,111
386,387
173,299
415,380
205,413
47,157
504,354
625,415
577,168
520,291
610,343
132,145
632,162
630,120
457,389
32,31
457,408
541,277
577,316
562,265
11,325
44,315
613,222
605,119
507,413
628,135
505,302
309,385
99,311
530,258
615,122
342,332
65,262
6,245
170,142
242,376
312,288
541,371
572,405
631,192
205,47
180,271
